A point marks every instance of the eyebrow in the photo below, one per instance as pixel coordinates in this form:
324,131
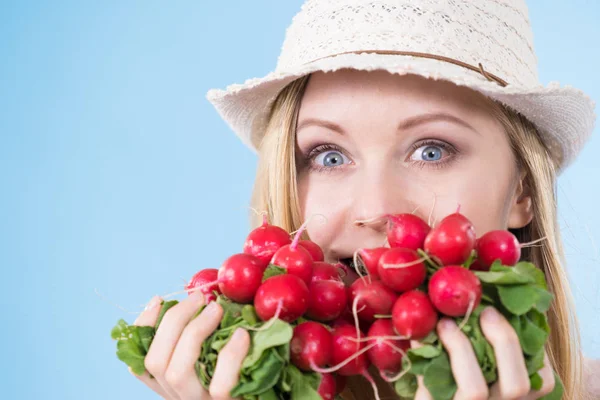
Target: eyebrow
404,125
320,122
426,118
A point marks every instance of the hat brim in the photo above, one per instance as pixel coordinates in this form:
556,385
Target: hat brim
563,115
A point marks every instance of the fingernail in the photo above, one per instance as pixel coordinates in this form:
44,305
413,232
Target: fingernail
491,314
211,310
447,324
153,303
238,334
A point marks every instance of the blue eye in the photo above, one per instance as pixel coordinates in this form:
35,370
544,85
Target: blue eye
431,153
331,159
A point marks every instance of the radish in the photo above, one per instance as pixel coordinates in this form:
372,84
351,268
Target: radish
407,231
454,290
327,300
346,346
370,258
265,240
311,344
327,387
326,271
498,245
452,241
314,250
476,265
285,296
240,276
387,354
207,278
413,315
401,269
295,259
370,297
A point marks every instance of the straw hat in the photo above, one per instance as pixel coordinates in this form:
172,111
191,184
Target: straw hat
486,45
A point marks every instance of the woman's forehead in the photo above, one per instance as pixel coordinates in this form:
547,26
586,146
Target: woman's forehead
349,90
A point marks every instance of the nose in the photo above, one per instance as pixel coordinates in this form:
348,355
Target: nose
377,195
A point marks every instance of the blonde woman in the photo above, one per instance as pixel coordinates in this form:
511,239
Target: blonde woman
382,107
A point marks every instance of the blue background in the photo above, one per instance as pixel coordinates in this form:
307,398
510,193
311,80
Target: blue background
118,175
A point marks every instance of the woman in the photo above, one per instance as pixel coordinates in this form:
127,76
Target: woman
385,107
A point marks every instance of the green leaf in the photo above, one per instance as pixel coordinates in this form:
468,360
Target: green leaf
536,381
268,395
531,337
277,334
518,299
166,305
133,343
406,386
426,351
302,388
534,363
439,380
558,390
232,312
536,274
500,275
249,315
544,300
263,377
273,270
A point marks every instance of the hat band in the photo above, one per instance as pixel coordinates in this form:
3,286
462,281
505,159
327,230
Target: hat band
479,69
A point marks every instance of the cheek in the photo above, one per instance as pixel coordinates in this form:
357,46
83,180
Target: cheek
486,202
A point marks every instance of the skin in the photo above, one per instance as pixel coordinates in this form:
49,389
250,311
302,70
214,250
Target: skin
374,119
377,123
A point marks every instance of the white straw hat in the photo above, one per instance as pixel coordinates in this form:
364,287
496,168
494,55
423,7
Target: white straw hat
486,45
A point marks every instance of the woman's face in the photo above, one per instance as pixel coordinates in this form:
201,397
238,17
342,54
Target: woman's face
373,143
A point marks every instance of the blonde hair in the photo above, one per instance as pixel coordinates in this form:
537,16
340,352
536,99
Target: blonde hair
275,191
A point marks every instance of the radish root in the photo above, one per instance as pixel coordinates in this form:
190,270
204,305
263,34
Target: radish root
370,221
404,265
115,304
271,321
469,311
320,370
403,371
369,378
532,243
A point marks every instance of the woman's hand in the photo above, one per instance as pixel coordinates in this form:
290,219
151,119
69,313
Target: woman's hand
513,380
176,347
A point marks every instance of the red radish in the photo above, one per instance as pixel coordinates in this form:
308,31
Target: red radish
326,271
345,346
311,344
327,300
498,245
314,250
240,276
452,241
349,276
407,231
454,290
340,383
287,292
401,269
265,240
476,265
370,258
386,358
413,315
295,258
206,277
372,297
328,387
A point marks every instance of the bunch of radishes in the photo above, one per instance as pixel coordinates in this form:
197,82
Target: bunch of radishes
398,295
